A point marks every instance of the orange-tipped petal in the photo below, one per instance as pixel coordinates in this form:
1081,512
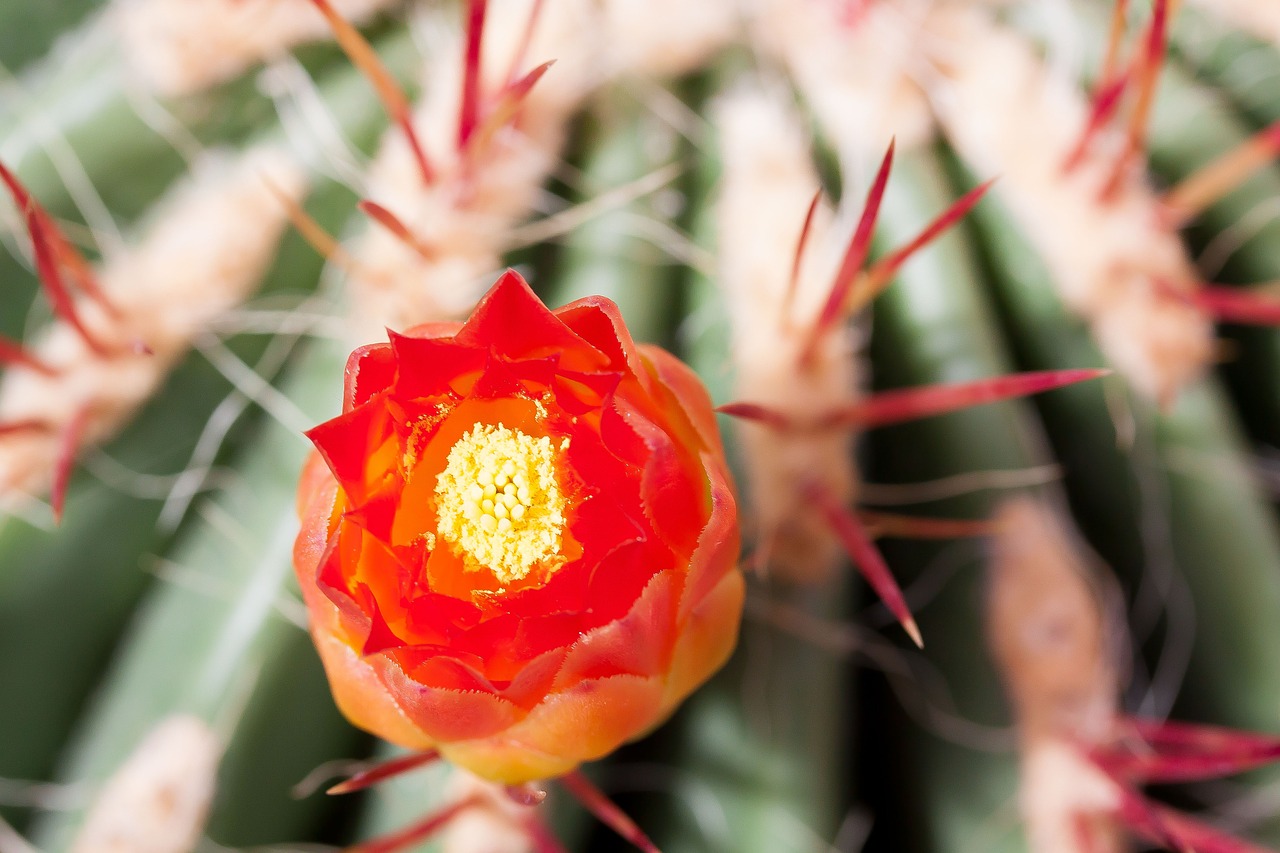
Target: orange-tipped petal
854,258
384,770
594,800
879,276
907,404
54,285
865,557
418,832
1210,183
469,112
393,223
13,353
393,99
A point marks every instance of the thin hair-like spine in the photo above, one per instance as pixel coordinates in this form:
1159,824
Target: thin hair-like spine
767,186
181,48
1116,261
164,290
484,188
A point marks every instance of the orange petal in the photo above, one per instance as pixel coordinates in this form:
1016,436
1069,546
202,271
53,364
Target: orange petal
444,715
512,320
688,390
598,321
582,724
707,639
357,689
637,644
716,554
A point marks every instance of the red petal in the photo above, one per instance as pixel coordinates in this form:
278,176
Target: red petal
501,379
348,441
598,321
451,671
433,367
381,636
445,715
620,578
687,390
674,502
370,370
619,433
533,682
536,635
439,618
718,543
512,321
580,393
638,643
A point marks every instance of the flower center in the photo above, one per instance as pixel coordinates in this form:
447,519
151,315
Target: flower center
498,500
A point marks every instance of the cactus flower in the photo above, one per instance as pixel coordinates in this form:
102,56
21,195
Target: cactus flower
519,540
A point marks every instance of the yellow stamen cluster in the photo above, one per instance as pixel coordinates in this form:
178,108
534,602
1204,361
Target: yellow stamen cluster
498,500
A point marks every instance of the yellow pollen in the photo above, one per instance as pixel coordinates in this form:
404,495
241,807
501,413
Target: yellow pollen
498,500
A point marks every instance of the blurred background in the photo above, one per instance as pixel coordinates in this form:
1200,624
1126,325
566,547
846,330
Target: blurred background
1094,552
